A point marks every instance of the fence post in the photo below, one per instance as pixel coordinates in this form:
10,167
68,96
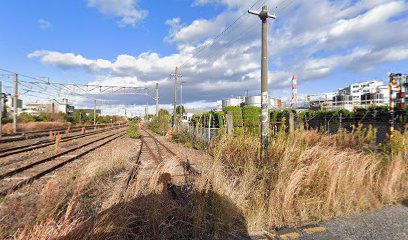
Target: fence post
230,125
203,129
291,122
340,121
209,128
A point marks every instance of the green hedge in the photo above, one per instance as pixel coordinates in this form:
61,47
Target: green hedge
251,116
237,115
219,118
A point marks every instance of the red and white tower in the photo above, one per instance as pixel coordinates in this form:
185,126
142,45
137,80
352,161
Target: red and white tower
294,101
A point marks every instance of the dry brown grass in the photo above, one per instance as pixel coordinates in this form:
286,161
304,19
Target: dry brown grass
76,194
34,126
306,177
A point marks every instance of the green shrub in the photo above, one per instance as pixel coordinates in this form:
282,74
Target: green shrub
236,114
189,140
251,116
25,118
132,131
219,118
160,123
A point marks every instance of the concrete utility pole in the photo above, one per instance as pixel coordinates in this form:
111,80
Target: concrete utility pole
175,97
157,99
181,101
94,112
15,105
147,107
264,15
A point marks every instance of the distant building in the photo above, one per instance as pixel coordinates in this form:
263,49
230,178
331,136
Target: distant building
233,102
53,107
356,95
254,101
89,111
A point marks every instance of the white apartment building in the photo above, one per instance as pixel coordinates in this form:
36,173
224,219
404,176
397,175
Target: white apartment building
364,92
356,95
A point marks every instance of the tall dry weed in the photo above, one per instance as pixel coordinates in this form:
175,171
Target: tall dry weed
34,126
307,176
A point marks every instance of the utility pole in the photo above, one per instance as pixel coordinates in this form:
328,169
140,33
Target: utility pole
264,15
175,97
157,99
94,112
15,105
147,107
181,101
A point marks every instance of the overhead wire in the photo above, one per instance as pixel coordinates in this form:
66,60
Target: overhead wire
217,37
215,51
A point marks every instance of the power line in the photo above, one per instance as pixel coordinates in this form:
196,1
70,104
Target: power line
216,38
289,3
22,75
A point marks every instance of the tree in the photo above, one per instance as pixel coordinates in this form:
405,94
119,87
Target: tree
80,116
26,117
182,109
160,124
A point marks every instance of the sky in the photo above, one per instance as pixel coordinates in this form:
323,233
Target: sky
327,44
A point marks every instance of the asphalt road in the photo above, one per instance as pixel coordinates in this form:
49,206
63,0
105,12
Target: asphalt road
386,224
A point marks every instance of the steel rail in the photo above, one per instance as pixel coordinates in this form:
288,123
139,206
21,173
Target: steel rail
38,135
49,158
53,129
57,166
45,143
186,165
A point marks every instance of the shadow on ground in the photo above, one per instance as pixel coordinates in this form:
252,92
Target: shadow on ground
177,213
405,202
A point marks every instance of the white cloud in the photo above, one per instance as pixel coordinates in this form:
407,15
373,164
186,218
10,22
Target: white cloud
310,39
44,24
70,60
127,10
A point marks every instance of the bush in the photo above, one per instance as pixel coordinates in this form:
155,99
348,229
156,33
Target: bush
25,118
219,118
251,116
160,123
133,132
237,115
189,140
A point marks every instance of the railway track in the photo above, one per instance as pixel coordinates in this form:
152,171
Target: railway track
15,178
13,137
152,152
45,143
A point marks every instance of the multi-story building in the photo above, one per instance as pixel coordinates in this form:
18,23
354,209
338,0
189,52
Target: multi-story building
356,95
53,107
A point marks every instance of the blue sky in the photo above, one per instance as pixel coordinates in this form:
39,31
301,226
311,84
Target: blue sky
327,44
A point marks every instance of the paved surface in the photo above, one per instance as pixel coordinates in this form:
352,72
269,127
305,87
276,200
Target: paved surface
386,224
390,223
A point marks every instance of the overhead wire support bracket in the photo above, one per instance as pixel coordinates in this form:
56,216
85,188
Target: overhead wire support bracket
263,15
